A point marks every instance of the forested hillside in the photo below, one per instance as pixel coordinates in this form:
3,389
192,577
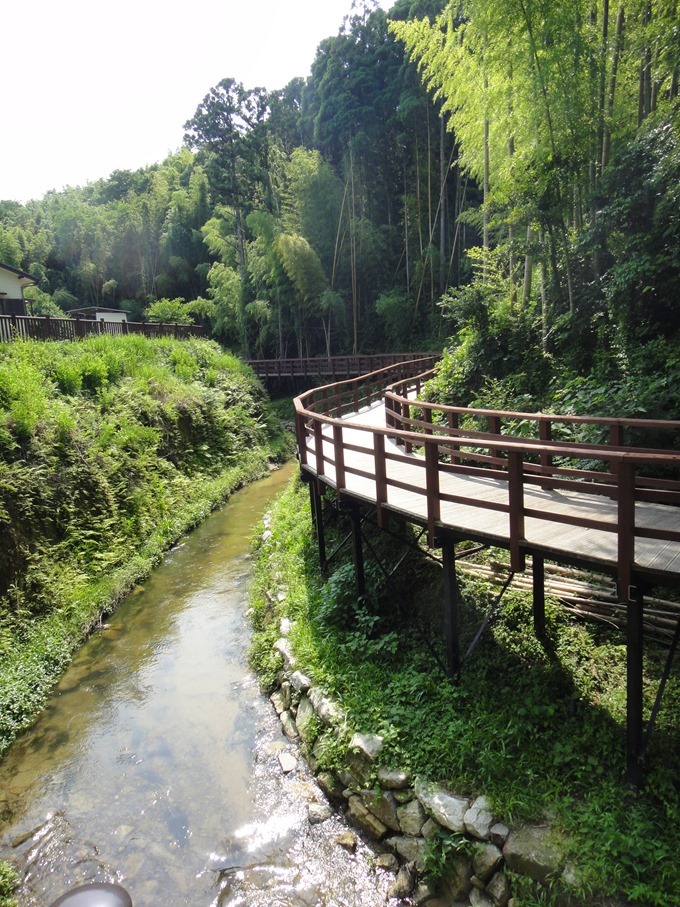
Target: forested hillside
516,199
294,221
110,448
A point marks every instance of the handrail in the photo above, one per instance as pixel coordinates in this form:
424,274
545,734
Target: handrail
519,462
46,327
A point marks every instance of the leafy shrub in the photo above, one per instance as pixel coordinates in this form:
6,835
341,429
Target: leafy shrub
8,882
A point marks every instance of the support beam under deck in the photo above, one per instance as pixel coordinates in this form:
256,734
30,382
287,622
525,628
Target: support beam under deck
451,607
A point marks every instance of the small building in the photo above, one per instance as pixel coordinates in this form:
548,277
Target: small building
99,313
12,283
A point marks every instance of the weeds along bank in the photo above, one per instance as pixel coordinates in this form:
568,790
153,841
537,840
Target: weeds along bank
110,449
537,732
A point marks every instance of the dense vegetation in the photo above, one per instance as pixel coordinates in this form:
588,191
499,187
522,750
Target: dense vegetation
533,195
539,728
522,209
109,450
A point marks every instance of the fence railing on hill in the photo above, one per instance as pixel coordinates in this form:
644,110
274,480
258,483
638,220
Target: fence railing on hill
38,327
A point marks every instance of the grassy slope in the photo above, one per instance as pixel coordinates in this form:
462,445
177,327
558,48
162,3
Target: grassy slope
110,449
539,729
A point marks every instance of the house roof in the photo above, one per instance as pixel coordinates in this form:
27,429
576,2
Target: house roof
25,278
92,310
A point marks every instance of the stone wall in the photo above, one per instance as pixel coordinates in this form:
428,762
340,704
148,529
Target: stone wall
401,814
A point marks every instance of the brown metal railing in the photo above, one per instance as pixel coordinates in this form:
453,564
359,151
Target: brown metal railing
333,367
450,446
33,327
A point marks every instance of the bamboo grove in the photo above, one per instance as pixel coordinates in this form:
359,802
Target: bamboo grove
508,174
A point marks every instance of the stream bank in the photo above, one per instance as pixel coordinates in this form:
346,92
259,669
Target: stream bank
158,764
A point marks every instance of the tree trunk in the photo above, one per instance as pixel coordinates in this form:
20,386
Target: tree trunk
545,314
242,265
609,109
353,261
442,207
406,243
528,270
645,77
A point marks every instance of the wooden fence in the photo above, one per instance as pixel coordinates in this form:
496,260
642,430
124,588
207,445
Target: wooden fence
30,327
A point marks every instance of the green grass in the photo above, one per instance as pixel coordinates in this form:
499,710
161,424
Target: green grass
538,728
8,883
110,449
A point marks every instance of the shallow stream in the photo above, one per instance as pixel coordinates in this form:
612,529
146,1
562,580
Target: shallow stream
156,763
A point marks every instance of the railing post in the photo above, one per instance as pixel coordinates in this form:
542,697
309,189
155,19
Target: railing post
545,435
318,447
626,529
516,505
453,421
615,440
301,435
339,454
380,475
406,416
389,411
432,488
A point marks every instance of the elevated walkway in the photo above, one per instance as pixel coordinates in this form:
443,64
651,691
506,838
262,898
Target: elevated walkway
465,474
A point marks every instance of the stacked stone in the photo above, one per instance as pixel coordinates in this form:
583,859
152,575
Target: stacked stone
401,813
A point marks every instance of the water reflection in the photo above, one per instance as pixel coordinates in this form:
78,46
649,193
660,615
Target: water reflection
156,764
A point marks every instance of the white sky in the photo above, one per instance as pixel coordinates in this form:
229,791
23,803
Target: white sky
90,87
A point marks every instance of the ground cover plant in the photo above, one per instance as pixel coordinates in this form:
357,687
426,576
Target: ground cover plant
539,728
8,882
110,449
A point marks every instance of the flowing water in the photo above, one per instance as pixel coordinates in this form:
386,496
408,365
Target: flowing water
156,762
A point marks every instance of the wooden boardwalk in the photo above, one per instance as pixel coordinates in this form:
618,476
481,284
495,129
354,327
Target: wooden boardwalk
481,507
605,505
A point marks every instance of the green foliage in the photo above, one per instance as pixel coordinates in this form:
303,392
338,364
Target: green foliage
536,726
169,311
439,849
109,449
8,883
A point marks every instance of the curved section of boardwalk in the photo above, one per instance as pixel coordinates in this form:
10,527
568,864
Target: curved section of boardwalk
466,474
600,510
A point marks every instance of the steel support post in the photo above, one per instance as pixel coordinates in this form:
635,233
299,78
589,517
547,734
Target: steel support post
634,735
451,607
357,551
538,573
317,519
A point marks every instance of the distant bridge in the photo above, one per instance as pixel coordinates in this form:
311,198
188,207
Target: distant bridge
331,368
